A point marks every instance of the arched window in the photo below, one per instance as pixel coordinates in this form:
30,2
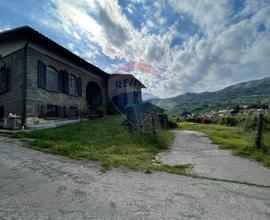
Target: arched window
52,79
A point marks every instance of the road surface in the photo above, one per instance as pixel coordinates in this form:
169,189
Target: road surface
34,185
192,147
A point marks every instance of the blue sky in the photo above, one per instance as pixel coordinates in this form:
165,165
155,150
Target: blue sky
196,45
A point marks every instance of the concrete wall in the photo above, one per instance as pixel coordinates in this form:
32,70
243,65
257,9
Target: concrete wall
37,96
12,100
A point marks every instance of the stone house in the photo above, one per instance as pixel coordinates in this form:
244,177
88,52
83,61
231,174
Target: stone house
40,80
125,90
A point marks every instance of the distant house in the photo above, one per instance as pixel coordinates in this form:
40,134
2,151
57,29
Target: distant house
125,90
40,80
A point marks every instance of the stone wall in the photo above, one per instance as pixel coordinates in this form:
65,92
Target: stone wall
12,100
38,96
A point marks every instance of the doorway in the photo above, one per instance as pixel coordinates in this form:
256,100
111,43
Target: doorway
93,96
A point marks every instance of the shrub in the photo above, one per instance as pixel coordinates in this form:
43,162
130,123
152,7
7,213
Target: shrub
267,122
248,123
229,121
170,122
206,120
194,119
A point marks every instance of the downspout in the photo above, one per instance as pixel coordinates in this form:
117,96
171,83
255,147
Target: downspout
25,84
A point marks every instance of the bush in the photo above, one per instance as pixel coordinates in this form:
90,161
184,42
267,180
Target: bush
170,122
248,123
206,120
228,121
194,119
267,122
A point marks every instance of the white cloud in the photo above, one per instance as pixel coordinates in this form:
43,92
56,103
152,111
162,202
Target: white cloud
226,49
4,26
227,53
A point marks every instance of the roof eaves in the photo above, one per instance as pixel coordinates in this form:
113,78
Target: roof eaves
35,36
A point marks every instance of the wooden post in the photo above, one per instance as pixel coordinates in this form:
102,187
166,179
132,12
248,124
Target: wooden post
259,132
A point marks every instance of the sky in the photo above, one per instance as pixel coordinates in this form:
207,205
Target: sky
172,46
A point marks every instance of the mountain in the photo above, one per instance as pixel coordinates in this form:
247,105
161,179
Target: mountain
250,92
147,96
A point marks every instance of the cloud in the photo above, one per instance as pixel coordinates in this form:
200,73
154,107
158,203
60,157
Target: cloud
115,33
4,26
221,56
198,45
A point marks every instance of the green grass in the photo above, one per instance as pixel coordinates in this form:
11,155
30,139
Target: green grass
240,141
106,141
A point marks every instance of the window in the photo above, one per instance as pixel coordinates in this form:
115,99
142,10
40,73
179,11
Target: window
72,85
62,81
52,110
52,78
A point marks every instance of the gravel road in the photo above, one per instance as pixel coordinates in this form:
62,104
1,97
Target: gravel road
40,186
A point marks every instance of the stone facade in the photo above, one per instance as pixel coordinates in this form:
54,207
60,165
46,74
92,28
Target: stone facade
20,52
12,99
36,97
47,81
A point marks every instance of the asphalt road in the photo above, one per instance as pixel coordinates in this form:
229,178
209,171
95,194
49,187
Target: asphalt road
34,185
191,147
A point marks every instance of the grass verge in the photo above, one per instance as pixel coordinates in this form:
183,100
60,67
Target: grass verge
240,141
106,141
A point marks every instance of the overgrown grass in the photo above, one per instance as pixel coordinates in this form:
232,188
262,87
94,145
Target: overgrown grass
106,141
239,140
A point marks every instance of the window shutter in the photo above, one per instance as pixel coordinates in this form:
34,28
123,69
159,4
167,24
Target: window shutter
41,75
60,81
79,86
7,77
65,82
60,111
65,111
4,80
